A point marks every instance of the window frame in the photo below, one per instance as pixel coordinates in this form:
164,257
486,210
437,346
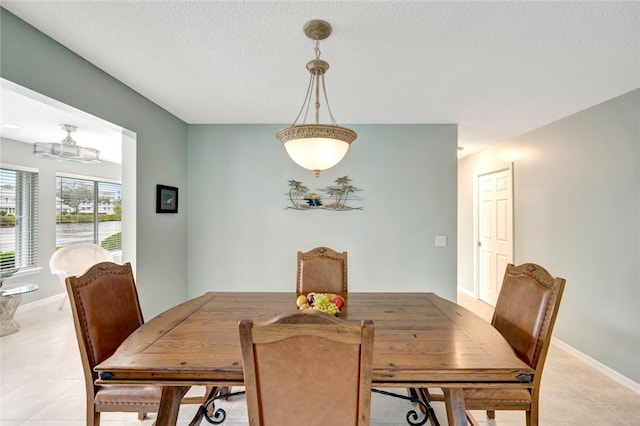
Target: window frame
95,182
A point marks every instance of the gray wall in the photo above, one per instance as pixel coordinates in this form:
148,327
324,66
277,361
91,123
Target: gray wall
32,60
242,237
577,213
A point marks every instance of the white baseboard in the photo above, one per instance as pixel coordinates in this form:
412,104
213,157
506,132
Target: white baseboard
607,371
467,292
41,302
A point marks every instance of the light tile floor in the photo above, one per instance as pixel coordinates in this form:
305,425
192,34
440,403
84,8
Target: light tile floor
41,384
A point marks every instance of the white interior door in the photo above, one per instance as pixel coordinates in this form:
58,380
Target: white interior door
494,230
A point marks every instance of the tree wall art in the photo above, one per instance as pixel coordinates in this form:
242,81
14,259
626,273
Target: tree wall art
335,197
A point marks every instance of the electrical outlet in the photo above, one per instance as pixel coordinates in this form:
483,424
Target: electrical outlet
441,240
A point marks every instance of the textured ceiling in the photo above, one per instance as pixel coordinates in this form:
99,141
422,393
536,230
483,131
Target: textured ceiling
498,69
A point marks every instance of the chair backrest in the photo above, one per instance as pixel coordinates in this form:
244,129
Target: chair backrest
526,311
106,310
76,258
322,270
307,368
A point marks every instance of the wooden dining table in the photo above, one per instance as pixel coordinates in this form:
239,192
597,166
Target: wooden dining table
421,340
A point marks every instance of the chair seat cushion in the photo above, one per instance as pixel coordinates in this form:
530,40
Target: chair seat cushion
129,395
498,396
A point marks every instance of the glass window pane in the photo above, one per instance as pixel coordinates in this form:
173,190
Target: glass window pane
89,211
74,211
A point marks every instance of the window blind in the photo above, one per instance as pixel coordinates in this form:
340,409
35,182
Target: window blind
18,219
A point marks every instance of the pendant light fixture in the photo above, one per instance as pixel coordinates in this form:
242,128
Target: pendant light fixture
67,149
316,146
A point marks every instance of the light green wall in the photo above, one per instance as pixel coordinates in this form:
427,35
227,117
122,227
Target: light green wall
32,60
577,213
242,237
238,176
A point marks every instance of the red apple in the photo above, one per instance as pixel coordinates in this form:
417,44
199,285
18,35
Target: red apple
338,301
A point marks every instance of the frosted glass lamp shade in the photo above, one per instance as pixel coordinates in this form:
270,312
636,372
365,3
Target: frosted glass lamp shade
316,147
316,153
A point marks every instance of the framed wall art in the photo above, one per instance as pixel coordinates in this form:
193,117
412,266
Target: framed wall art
334,197
166,199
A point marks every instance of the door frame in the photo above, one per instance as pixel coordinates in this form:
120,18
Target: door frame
476,217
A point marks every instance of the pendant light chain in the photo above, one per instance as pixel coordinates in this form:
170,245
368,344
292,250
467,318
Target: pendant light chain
326,100
317,78
324,91
305,103
315,81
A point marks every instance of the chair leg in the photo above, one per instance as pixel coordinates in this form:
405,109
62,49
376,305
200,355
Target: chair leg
63,302
472,420
93,416
93,419
491,414
532,417
532,413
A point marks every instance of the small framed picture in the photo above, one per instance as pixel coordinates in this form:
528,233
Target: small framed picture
166,199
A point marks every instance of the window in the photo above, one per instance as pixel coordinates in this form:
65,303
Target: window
88,210
18,219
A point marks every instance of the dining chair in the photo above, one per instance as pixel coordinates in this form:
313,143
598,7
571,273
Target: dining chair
106,310
322,270
525,314
75,259
307,368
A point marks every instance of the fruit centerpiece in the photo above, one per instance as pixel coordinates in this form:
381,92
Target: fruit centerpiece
324,302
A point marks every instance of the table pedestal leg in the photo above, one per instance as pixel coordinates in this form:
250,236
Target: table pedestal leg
456,413
170,404
8,307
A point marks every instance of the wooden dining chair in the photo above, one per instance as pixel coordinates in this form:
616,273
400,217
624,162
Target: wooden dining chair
106,310
525,314
307,368
322,270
